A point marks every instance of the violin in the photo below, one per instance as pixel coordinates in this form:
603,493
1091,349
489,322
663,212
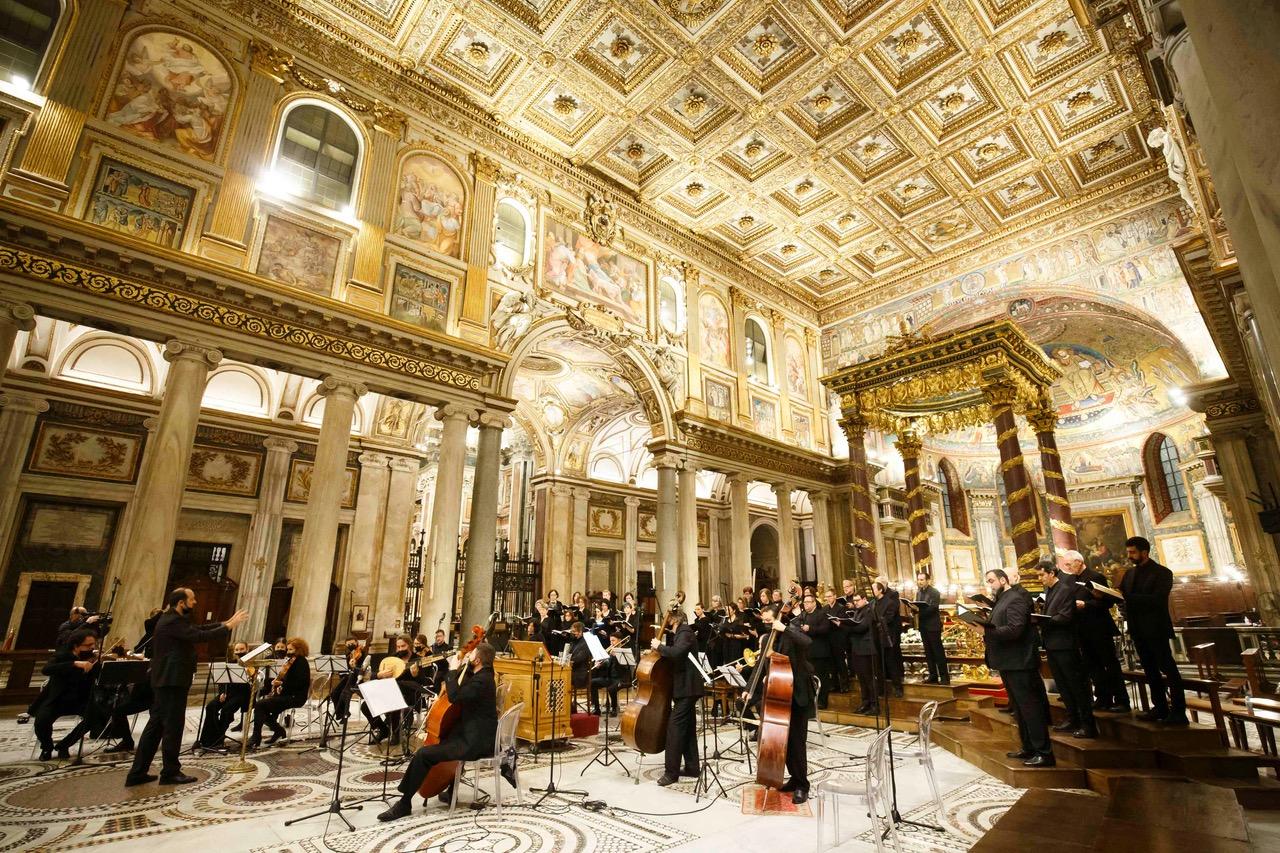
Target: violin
277,683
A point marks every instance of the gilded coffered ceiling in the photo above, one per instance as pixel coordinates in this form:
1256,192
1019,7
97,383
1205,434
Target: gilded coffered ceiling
840,145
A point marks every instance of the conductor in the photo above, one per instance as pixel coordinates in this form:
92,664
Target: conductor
173,665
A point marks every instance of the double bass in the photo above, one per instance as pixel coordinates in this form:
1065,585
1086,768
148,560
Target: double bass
775,715
440,721
644,721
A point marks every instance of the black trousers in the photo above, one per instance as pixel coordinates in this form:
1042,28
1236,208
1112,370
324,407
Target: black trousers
864,667
840,664
1098,650
423,760
611,686
894,668
163,731
218,716
823,669
47,713
682,736
1031,707
798,747
1156,657
935,656
1068,673
267,709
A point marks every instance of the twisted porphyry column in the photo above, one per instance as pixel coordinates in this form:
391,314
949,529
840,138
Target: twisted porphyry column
917,516
1022,513
1043,420
864,532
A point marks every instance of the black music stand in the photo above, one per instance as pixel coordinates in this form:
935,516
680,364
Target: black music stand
380,706
708,770
204,705
604,756
551,790
223,673
336,805
330,665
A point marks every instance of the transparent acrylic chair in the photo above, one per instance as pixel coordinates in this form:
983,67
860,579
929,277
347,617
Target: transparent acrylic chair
874,792
504,739
921,755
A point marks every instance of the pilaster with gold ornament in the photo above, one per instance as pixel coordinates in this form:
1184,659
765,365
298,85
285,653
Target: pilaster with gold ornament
740,304
1043,420
1000,397
909,445
473,321
778,333
694,401
379,184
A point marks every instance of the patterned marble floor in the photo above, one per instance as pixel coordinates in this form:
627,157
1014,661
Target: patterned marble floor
49,806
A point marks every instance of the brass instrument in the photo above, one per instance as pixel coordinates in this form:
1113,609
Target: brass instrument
748,659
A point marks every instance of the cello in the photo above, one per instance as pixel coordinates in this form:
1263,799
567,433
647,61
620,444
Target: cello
440,721
644,721
775,715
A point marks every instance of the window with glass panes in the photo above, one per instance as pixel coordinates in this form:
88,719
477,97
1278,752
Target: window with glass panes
757,352
25,29
319,150
510,234
1173,482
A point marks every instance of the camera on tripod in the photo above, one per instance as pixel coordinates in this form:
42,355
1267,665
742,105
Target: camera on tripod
104,619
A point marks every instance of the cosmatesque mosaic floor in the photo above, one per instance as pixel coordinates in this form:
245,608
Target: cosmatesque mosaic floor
53,806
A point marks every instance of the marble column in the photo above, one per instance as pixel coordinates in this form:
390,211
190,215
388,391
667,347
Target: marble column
1022,513
689,578
557,540
822,537
986,529
161,484
1235,462
263,547
667,548
14,317
787,569
393,559
18,414
1044,421
482,542
864,525
578,542
308,609
446,517
364,543
629,568
740,574
917,516
1221,555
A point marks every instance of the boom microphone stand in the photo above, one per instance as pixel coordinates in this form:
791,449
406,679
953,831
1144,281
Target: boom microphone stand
551,790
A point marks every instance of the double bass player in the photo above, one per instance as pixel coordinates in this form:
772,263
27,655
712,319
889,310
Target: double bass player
687,688
791,641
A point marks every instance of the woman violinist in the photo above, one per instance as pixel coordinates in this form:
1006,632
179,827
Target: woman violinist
793,643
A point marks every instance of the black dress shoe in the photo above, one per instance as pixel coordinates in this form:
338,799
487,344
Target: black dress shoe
788,787
254,744
178,779
799,795
1174,720
873,711
667,779
276,737
1118,709
237,727
398,810
64,753
445,796
1085,733
1040,761
46,755
132,781
1021,755
379,737
1068,726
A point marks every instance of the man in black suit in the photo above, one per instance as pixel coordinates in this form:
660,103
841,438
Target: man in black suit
1013,651
71,678
792,641
1057,632
814,622
862,652
173,665
929,607
686,689
1096,634
888,607
472,736
80,618
1146,589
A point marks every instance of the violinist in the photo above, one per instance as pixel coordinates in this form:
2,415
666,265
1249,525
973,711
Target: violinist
791,641
71,679
687,688
340,695
232,699
440,648
288,690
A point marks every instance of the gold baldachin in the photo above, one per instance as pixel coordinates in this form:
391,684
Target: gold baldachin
1027,525
1065,527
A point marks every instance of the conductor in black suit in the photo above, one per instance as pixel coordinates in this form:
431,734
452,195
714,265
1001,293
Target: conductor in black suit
686,688
1146,589
472,737
173,665
929,605
1013,651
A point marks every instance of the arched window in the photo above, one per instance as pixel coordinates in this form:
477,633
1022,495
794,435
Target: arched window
756,351
671,313
1165,483
25,29
318,155
511,235
954,508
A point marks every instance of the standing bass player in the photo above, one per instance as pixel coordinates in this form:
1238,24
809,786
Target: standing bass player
682,740
791,640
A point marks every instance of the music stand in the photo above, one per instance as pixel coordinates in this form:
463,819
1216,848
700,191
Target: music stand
221,673
328,665
708,770
383,697
604,756
742,745
204,705
119,674
335,804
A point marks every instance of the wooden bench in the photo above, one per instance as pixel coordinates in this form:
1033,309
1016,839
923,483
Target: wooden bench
1199,685
1266,723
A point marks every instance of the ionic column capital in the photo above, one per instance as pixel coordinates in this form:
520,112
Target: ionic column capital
340,385
279,444
816,498
631,500
31,404
404,464
581,493
781,489
176,350
18,314
370,459
454,412
666,460
492,420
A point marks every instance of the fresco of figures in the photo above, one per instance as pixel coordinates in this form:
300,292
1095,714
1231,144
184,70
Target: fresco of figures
298,256
431,205
575,264
420,299
173,91
140,204
715,331
797,378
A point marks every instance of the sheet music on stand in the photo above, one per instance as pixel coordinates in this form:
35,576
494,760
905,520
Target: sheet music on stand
732,676
330,665
693,659
598,653
382,696
228,673
250,655
625,655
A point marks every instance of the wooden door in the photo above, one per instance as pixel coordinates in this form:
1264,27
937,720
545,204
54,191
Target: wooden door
48,605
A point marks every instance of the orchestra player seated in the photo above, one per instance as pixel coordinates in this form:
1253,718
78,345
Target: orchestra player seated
471,737
232,699
580,658
71,678
288,690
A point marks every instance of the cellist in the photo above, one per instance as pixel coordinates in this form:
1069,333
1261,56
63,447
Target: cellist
790,640
686,689
476,699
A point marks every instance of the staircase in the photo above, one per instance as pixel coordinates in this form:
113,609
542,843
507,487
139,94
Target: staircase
954,703
1126,748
